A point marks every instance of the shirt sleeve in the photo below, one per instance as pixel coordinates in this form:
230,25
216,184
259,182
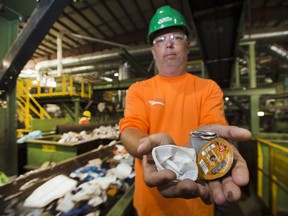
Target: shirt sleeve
135,114
212,106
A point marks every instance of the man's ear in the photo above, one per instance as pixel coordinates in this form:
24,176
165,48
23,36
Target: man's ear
188,47
153,52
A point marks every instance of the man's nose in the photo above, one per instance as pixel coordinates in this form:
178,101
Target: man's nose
169,42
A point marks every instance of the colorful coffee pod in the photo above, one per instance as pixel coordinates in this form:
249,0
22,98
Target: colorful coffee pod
214,159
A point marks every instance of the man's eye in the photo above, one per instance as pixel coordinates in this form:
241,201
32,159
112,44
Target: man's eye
160,40
178,37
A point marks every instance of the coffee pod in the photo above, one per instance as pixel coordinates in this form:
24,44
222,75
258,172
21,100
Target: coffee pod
200,138
214,159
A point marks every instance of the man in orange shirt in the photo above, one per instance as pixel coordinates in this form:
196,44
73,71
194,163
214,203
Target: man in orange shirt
163,110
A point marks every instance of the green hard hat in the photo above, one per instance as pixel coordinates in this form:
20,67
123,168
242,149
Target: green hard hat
166,17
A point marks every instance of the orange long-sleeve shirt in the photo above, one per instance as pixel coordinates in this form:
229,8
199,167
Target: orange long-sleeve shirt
175,106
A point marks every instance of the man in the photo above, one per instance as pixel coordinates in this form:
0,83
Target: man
86,116
163,110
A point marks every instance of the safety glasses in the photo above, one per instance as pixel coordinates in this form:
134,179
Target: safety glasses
175,38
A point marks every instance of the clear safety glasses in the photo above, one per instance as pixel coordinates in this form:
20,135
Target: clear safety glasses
175,38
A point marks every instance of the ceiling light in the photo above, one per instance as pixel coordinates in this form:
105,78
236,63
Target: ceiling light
106,79
265,35
268,80
279,50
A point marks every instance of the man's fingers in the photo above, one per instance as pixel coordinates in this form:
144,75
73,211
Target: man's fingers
148,143
145,146
236,133
204,192
228,132
240,172
230,189
152,177
216,190
186,189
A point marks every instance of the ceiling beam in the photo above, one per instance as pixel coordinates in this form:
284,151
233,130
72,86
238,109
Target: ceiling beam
80,13
77,23
114,17
93,10
127,14
265,14
41,20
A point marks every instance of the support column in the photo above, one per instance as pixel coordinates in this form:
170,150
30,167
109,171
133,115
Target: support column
254,99
237,74
77,109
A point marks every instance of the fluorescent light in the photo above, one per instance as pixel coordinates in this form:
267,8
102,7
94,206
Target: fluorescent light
106,79
265,35
279,50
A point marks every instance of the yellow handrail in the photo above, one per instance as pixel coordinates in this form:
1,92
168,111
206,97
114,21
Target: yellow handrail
66,86
42,112
275,174
27,117
273,145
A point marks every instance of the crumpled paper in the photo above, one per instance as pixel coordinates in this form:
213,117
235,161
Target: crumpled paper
181,160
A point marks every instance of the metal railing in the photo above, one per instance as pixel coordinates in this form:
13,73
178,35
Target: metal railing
65,86
26,109
28,91
273,175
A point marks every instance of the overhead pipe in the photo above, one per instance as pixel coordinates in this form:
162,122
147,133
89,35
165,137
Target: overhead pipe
264,35
86,69
59,54
96,40
89,58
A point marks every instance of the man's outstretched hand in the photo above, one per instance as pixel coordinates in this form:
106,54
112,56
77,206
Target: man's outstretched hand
220,190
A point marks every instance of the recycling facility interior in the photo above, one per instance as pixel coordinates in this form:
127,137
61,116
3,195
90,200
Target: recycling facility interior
60,58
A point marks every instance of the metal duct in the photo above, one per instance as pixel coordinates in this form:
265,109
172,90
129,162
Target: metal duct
90,58
217,27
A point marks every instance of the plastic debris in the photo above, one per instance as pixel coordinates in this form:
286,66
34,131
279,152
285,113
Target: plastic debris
3,179
72,137
181,160
51,190
102,132
106,132
31,135
29,184
123,171
93,191
88,173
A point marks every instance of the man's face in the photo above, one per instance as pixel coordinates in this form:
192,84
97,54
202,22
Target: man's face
170,49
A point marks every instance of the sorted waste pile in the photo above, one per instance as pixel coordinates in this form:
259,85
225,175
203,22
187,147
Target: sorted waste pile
102,132
86,190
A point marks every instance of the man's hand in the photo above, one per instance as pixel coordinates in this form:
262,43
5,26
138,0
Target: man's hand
228,187
220,190
165,180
